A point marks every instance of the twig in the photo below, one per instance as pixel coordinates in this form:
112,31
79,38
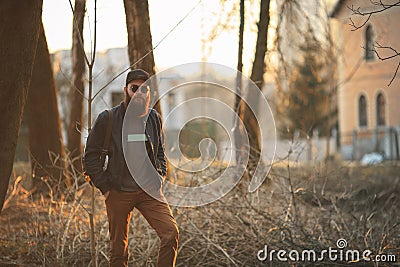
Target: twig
215,245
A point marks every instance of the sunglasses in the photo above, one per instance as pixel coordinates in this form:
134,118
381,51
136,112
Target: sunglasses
134,88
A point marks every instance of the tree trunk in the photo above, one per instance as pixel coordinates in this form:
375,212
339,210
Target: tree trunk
257,74
238,130
140,41
78,87
43,117
19,32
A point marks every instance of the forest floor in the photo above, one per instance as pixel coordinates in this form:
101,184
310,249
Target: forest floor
301,207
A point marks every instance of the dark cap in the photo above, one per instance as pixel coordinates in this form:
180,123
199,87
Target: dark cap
137,74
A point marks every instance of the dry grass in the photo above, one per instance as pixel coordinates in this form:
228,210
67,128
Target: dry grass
303,207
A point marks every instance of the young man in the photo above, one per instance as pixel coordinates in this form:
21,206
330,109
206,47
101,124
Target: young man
122,192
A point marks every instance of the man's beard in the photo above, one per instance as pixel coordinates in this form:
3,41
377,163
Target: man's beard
140,105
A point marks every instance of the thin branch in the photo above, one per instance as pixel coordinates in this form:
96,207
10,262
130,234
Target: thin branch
72,85
394,75
355,27
212,243
95,33
396,54
148,53
351,74
385,7
80,34
379,46
357,11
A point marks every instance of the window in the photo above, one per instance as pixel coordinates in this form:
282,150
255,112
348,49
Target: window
369,43
380,110
362,111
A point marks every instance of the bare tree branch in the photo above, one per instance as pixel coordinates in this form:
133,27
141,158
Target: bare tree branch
379,46
380,8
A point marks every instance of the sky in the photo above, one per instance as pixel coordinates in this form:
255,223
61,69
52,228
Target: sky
182,45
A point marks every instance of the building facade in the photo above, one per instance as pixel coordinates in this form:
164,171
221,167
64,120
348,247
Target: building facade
368,106
175,89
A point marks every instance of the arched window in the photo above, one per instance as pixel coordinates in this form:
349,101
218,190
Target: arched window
362,111
369,43
380,110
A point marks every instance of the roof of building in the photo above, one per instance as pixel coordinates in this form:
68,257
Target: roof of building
337,8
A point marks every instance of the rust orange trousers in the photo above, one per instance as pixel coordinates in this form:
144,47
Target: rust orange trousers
120,205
